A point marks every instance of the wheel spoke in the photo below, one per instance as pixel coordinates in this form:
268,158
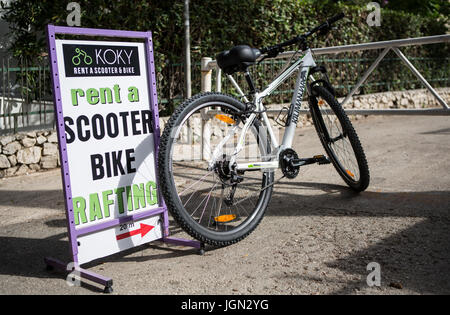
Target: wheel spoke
205,190
338,141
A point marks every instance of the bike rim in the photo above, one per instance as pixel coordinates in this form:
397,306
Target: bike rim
203,193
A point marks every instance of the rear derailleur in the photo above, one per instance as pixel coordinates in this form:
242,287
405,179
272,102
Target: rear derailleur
229,177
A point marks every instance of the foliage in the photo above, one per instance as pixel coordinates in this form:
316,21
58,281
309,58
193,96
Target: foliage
432,8
217,25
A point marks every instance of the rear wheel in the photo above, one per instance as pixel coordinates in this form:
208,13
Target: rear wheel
211,201
339,139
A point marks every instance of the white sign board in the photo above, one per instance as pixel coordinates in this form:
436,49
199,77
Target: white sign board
110,143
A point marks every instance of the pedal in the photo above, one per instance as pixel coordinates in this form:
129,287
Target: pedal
321,159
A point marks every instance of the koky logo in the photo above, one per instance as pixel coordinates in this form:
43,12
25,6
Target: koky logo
100,60
76,60
111,57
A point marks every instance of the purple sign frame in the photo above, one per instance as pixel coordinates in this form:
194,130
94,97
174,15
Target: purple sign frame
51,263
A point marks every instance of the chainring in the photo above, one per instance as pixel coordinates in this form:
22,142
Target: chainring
286,156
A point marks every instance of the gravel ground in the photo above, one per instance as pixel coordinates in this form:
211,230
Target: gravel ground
317,236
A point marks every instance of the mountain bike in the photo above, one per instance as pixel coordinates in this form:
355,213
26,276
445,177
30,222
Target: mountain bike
221,197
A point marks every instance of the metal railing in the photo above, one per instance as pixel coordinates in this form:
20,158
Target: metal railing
19,111
208,65
25,96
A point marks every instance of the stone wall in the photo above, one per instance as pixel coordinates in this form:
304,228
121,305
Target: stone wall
29,152
420,98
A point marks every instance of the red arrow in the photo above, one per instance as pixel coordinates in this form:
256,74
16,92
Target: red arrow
143,231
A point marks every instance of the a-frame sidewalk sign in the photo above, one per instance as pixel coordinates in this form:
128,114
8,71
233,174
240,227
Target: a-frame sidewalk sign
108,128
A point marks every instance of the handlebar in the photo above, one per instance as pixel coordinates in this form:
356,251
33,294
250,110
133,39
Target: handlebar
335,18
273,51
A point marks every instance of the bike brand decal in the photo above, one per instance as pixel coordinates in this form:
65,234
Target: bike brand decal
298,100
100,60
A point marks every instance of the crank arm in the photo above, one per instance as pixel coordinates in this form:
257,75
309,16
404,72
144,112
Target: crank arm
320,159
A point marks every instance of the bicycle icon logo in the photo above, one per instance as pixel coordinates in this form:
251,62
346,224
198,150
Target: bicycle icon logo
76,60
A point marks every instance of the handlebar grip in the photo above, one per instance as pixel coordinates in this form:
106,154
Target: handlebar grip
291,41
335,18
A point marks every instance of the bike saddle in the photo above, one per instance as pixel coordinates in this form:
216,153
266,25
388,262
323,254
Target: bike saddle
237,58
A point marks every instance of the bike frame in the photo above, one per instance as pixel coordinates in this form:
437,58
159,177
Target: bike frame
304,64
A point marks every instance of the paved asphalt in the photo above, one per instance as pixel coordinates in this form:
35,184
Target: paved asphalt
317,236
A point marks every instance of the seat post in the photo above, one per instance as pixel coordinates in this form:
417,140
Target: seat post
250,83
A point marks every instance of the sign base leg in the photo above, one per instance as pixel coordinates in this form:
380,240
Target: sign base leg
55,264
77,271
184,242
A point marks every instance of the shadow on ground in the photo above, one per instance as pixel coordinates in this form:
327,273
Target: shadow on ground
417,257
25,256
49,199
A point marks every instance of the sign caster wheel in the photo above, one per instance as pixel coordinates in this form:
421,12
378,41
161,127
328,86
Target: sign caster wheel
201,251
108,289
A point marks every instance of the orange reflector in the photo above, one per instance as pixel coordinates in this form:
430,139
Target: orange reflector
320,102
225,119
225,218
350,173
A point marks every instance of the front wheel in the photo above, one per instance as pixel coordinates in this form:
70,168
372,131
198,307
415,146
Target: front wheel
339,139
